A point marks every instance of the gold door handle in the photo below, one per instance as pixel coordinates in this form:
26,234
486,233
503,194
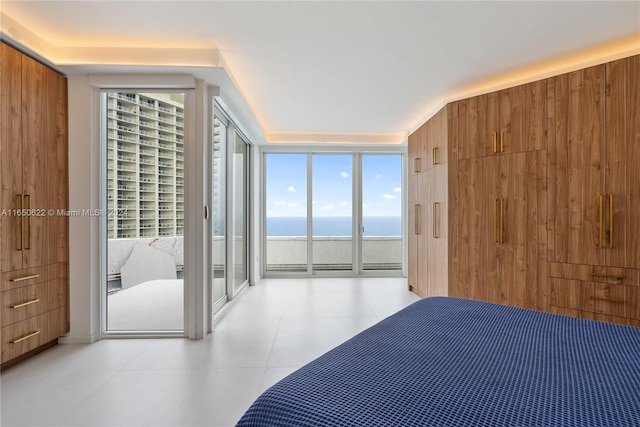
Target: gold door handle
501,220
611,221
601,210
436,205
416,164
416,226
495,142
502,141
21,203
26,337
495,221
24,304
29,221
434,154
20,279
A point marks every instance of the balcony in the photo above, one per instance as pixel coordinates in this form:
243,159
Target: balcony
156,303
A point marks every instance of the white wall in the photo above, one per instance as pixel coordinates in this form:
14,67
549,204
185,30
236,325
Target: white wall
84,163
87,266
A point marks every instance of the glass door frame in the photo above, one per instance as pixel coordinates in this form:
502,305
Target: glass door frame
218,113
233,134
189,112
357,265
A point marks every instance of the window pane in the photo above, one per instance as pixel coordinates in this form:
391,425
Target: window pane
218,212
332,211
240,213
286,212
382,212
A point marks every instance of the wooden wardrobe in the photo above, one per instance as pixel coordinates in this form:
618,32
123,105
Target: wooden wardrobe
34,233
543,196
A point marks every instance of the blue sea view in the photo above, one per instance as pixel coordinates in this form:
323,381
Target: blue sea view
333,226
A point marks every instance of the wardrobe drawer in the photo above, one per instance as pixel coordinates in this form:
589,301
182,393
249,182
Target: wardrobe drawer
28,276
26,335
569,296
22,337
591,273
24,302
603,298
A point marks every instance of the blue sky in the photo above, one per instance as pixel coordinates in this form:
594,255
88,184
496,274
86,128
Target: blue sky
332,180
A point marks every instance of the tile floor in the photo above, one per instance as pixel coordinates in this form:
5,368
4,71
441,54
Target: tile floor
271,330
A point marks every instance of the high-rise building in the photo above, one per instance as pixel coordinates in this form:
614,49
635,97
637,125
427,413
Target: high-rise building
145,166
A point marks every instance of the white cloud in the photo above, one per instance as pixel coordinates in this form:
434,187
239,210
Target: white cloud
329,207
291,189
292,205
344,174
365,206
280,203
342,203
379,176
398,189
388,197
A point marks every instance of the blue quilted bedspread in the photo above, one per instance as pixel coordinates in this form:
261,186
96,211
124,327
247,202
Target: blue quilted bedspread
454,362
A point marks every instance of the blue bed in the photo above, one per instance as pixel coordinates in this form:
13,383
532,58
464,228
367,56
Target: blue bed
454,362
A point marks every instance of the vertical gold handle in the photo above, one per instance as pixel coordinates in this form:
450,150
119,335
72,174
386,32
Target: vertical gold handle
495,142
611,221
436,234
416,165
416,226
21,239
601,210
29,221
501,220
502,141
495,221
435,155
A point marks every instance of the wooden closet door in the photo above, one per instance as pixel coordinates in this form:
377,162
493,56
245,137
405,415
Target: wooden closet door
576,162
417,150
417,235
523,118
10,158
436,183
478,121
58,225
36,141
413,227
523,222
477,233
623,162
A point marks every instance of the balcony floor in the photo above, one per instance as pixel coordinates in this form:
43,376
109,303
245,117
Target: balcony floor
156,305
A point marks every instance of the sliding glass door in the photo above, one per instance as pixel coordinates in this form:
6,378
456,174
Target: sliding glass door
239,213
332,212
381,212
230,208
285,212
218,249
331,187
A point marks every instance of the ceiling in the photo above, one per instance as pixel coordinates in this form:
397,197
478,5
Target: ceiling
346,71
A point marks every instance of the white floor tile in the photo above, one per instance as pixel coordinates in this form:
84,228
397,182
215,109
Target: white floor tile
270,331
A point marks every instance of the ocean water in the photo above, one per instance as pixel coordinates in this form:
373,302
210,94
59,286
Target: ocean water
334,226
